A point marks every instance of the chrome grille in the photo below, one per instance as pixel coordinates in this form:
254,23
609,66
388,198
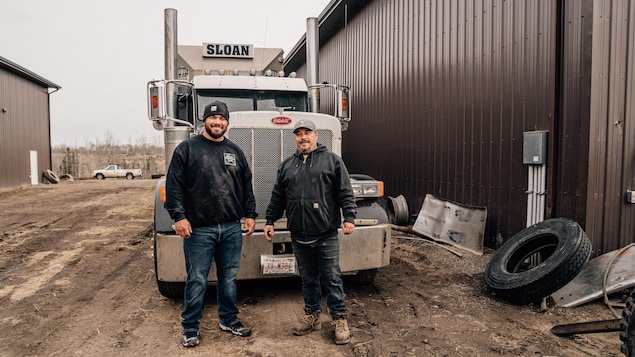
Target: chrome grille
265,149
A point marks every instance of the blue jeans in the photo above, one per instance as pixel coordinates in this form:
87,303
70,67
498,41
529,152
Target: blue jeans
221,243
319,265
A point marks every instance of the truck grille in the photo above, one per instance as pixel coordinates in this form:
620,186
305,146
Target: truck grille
265,149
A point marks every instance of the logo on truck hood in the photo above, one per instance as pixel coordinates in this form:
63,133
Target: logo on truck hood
281,120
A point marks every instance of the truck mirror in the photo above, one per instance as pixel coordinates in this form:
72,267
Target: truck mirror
342,103
156,101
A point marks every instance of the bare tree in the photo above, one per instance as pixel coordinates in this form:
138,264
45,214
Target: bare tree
79,161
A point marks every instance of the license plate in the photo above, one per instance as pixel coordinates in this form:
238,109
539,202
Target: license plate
272,264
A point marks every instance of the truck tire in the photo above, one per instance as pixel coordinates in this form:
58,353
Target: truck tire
362,277
100,176
129,176
66,177
627,327
171,290
51,176
538,260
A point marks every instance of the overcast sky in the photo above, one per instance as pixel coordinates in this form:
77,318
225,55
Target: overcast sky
103,53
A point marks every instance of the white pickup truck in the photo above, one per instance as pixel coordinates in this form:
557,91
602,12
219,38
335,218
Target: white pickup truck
114,171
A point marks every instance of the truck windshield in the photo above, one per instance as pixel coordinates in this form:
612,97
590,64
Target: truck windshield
252,100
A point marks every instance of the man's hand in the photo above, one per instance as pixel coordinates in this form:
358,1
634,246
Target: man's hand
183,228
249,226
269,232
348,227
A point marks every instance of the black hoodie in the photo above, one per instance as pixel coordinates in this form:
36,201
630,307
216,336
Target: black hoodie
209,182
312,191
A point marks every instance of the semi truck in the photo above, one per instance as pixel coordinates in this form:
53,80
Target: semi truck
263,110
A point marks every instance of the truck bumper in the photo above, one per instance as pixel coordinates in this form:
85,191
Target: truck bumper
368,247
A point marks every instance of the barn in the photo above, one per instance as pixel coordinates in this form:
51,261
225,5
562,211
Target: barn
25,134
522,107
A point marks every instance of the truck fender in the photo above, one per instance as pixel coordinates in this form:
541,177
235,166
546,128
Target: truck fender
371,209
162,220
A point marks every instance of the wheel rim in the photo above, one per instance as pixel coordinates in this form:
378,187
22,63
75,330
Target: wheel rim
532,254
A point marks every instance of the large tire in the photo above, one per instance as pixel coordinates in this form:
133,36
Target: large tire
362,277
627,327
171,290
129,176
51,176
66,177
100,176
538,261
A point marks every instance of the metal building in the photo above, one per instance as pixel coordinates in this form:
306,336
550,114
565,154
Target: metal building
446,95
25,135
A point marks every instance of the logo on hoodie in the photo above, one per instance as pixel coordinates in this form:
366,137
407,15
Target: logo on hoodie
230,159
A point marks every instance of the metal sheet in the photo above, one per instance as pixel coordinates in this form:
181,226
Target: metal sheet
452,223
587,285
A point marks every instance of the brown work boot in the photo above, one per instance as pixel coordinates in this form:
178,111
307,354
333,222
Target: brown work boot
342,334
309,322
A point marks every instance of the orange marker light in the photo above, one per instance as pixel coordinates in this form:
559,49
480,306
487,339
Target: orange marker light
162,193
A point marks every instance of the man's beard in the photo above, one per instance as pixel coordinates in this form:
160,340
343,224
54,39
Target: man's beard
209,132
305,149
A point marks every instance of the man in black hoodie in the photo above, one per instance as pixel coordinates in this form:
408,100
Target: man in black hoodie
209,190
314,188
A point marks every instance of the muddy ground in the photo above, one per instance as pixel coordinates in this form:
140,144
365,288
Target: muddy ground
77,279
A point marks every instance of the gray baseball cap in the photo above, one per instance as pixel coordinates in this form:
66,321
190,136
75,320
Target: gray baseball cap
304,123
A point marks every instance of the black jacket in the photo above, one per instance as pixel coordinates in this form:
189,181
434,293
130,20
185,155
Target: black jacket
312,191
209,183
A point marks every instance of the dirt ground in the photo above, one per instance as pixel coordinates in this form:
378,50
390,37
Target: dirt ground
77,279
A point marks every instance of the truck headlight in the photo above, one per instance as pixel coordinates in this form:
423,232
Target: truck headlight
363,189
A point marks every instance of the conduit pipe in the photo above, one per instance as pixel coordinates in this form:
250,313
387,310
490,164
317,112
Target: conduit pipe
536,191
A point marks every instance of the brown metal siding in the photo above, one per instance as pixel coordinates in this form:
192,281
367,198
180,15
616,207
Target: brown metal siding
571,131
610,220
441,93
23,127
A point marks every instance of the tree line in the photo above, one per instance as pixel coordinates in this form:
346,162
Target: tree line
80,161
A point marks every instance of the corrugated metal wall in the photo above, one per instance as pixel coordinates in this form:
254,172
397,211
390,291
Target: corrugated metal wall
610,220
569,162
442,92
23,127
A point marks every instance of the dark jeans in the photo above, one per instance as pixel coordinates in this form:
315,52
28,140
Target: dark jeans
319,265
222,244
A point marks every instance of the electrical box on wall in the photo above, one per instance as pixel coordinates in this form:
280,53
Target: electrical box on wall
630,196
535,147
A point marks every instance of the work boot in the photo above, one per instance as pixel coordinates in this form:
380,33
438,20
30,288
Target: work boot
309,322
342,334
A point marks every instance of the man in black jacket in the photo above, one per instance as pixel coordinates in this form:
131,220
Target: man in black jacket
209,190
314,188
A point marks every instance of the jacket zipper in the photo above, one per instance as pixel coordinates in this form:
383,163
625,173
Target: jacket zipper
302,205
